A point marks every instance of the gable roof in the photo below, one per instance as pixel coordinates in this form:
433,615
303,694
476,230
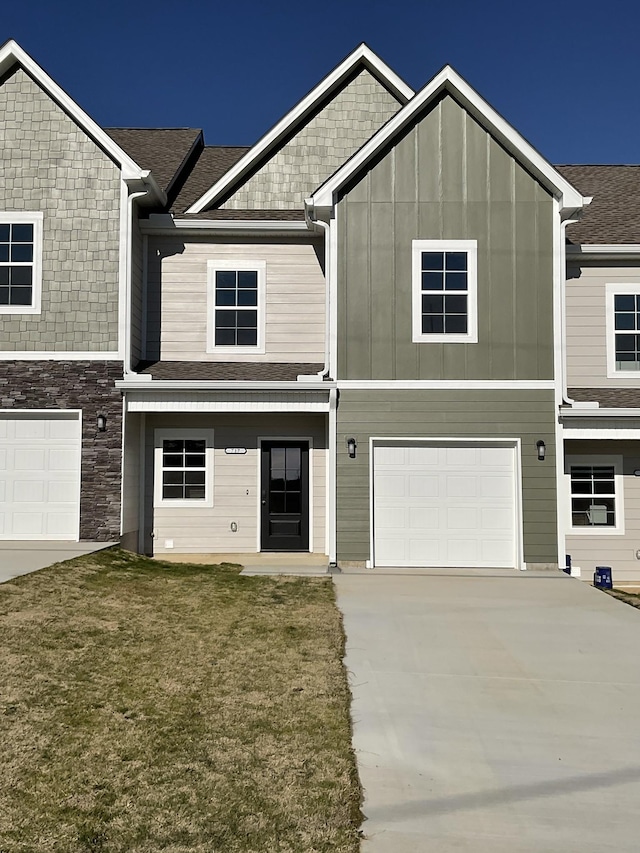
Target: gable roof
448,80
362,56
12,54
613,217
163,150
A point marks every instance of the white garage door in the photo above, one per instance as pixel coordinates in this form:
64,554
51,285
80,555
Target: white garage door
444,505
39,475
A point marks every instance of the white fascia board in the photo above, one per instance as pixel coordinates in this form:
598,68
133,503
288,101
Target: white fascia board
11,53
446,384
601,434
165,224
492,121
58,355
158,385
362,54
600,413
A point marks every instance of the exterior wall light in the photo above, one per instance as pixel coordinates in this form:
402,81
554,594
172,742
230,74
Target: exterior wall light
101,423
542,449
351,448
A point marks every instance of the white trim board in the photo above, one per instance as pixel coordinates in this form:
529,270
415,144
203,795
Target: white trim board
361,55
450,81
446,384
59,355
602,434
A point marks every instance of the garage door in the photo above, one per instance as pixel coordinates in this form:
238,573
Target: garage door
39,475
444,505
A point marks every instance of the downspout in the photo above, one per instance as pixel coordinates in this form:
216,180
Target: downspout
128,371
570,220
313,224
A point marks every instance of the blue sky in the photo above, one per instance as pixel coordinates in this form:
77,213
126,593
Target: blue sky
565,74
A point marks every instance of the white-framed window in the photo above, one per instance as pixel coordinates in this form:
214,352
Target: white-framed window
444,291
183,467
596,503
20,262
623,330
235,306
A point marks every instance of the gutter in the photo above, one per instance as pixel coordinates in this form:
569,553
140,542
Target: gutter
142,382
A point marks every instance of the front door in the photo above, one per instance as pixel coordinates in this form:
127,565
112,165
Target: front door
285,496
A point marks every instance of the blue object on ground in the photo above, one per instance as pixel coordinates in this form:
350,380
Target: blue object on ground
602,577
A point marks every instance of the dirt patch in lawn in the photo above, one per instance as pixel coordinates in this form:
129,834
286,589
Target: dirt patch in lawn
150,706
632,598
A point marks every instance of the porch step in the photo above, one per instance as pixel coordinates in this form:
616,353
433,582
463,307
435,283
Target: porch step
292,563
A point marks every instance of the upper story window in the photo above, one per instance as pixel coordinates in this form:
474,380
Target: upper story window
445,291
20,262
623,330
236,306
595,493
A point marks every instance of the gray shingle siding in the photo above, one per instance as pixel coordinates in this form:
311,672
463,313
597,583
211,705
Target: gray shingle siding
49,164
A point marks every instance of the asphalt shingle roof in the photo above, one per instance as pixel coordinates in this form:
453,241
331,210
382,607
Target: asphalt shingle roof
226,371
160,149
212,164
609,398
614,214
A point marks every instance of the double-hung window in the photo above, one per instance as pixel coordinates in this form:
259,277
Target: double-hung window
236,306
444,284
20,262
595,494
184,467
623,329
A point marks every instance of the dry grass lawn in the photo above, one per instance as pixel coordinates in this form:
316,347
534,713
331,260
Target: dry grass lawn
150,706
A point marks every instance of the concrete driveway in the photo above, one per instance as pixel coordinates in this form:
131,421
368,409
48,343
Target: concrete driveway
21,557
495,712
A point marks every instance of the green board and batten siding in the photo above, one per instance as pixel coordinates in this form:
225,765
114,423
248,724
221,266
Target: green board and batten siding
446,178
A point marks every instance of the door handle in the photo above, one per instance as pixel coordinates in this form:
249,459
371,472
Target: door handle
264,503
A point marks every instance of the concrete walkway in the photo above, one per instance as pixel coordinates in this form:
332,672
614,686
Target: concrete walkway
495,712
21,557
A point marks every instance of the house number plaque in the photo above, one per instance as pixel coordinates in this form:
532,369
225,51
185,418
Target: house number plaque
235,450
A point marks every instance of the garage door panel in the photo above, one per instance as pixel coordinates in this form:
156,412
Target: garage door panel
460,486
424,486
39,475
444,505
426,457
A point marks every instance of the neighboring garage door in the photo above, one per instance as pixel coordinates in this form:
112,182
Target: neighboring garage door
39,475
444,505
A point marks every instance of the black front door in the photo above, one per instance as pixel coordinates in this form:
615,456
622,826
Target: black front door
285,496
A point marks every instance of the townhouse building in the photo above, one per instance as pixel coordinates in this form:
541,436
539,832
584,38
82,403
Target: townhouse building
390,333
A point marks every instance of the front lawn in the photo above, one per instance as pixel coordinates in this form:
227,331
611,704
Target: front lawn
150,706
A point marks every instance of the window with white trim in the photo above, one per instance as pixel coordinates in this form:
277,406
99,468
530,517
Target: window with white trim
184,467
20,262
444,285
235,299
595,485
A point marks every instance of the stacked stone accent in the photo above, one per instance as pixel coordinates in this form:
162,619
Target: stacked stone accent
86,385
49,164
319,148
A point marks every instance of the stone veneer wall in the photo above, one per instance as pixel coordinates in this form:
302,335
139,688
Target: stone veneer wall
320,147
86,385
49,164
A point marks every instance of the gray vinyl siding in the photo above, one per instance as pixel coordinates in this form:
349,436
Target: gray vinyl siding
319,147
528,415
235,482
617,550
446,178
49,164
295,299
137,286
586,319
